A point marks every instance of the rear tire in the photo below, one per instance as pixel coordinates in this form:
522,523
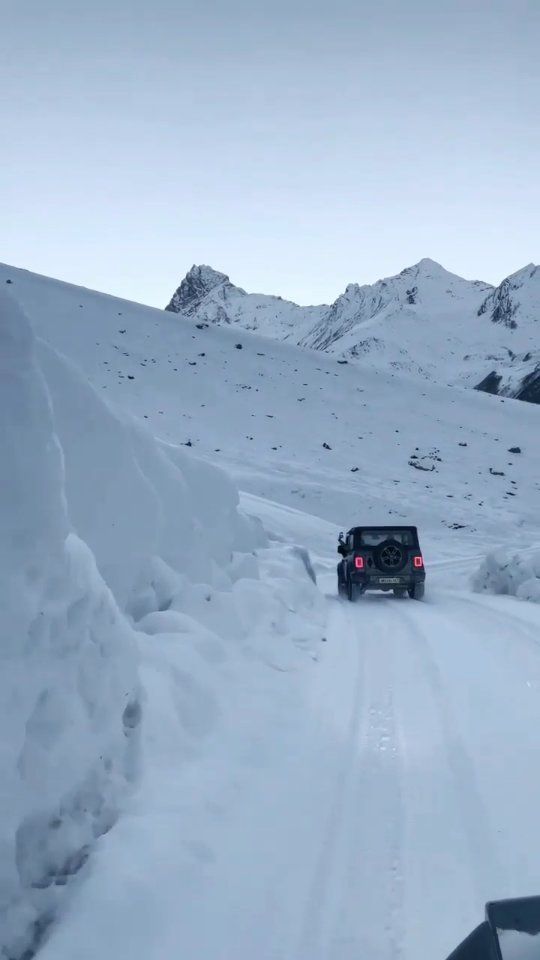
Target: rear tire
351,590
416,592
341,588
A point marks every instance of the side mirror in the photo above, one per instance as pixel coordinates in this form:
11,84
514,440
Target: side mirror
516,927
511,931
342,549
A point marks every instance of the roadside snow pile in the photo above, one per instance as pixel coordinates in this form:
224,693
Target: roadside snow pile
69,698
515,574
226,678
144,622
133,500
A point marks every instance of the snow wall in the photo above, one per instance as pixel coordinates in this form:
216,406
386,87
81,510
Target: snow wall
106,536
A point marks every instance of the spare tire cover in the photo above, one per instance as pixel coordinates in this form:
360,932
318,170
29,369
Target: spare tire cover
391,556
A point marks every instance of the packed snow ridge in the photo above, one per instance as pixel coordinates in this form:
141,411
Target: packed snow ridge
425,321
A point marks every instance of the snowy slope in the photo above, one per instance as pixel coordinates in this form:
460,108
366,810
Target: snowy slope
425,320
265,411
318,781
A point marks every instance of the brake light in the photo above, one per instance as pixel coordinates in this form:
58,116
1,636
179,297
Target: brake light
418,561
359,563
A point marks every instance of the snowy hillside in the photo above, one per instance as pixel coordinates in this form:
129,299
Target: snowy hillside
425,321
293,776
401,447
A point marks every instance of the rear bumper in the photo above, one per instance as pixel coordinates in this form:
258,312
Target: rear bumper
381,581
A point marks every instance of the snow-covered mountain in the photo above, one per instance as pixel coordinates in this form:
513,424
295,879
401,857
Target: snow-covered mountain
425,320
514,306
210,297
425,290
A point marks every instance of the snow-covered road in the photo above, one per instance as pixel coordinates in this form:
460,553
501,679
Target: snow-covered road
434,794
436,809
390,791
412,797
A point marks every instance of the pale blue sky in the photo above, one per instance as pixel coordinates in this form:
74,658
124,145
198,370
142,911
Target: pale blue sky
297,146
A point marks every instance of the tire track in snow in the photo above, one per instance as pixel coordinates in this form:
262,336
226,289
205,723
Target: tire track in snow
385,831
311,940
475,823
369,921
355,903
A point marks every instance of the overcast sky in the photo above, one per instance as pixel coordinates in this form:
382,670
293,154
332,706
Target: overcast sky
297,146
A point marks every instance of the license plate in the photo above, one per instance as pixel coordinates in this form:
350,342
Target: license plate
390,580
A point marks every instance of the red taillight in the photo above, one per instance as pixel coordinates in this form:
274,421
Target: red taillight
359,563
418,561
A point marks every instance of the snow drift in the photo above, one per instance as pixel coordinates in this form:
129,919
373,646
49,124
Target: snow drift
512,573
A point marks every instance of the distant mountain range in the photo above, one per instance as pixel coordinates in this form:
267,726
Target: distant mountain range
425,321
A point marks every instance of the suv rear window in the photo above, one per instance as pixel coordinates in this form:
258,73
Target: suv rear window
372,538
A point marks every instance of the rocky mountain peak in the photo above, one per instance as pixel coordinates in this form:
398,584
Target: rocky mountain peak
195,286
426,267
516,297
530,272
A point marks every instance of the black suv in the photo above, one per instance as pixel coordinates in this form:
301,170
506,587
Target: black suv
381,558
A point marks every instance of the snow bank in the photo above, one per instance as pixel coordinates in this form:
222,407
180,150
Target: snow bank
131,589
516,574
224,673
133,500
69,707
